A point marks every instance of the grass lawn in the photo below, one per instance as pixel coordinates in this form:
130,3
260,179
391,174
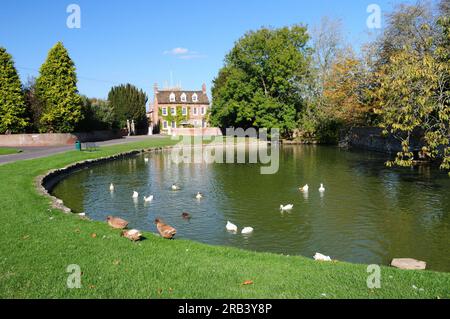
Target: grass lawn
37,244
7,151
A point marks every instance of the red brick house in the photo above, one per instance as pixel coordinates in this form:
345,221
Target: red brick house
177,108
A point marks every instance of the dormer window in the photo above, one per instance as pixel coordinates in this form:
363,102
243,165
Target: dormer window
195,97
172,97
183,97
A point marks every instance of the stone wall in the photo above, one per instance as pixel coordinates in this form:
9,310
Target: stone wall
372,139
55,139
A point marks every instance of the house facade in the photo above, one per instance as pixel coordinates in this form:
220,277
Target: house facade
177,108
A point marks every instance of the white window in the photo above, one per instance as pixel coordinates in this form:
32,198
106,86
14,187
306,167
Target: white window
203,110
183,97
174,125
195,111
164,111
195,123
172,97
195,97
165,124
184,111
173,110
204,123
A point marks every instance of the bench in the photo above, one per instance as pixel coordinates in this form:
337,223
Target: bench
90,146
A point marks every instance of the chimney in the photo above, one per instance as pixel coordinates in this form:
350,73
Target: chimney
204,88
155,88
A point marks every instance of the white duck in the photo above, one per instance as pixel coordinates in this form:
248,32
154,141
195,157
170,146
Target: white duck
321,188
135,194
148,199
286,207
247,230
199,195
175,187
305,188
320,257
111,187
231,227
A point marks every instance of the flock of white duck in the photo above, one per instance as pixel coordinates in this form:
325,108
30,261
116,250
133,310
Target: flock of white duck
230,226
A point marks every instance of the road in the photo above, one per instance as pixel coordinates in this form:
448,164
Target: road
38,152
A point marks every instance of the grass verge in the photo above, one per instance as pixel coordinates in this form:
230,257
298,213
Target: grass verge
38,243
8,151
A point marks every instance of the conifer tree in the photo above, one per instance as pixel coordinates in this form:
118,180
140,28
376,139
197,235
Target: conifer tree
56,88
12,103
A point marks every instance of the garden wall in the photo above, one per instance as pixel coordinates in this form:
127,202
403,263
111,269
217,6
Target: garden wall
55,139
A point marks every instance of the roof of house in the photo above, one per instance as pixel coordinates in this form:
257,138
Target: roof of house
164,97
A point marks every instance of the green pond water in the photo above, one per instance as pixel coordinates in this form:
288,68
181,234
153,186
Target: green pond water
368,213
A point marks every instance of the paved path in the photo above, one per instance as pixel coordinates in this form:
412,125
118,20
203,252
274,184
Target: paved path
37,152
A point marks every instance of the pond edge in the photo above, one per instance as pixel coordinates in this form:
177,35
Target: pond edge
46,182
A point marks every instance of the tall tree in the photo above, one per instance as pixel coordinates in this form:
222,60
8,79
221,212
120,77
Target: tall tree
56,88
261,83
327,42
128,103
409,25
413,93
344,91
12,104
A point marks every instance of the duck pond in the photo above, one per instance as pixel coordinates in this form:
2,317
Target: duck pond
368,214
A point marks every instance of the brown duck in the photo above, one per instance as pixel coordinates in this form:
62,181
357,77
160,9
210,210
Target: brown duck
116,222
186,216
133,234
165,230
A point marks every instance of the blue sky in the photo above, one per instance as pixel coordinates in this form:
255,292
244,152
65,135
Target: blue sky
133,41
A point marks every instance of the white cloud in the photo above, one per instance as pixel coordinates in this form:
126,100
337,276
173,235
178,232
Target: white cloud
177,51
184,54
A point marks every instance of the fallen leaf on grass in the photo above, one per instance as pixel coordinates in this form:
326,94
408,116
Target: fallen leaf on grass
160,291
247,282
26,237
116,262
94,235
91,286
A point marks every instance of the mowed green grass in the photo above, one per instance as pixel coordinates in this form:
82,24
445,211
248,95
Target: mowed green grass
38,243
8,151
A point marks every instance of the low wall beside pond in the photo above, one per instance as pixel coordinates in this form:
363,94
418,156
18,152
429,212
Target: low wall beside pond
372,139
55,139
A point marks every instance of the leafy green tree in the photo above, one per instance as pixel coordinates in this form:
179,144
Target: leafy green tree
98,115
344,91
33,105
414,96
103,113
12,104
261,82
128,103
56,88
